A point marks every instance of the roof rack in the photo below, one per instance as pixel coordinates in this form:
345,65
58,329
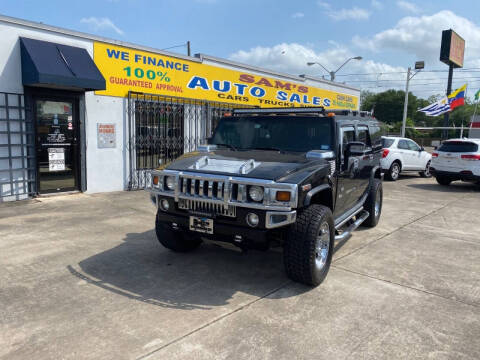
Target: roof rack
318,110
289,110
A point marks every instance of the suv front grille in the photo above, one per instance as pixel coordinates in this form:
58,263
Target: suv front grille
202,188
207,208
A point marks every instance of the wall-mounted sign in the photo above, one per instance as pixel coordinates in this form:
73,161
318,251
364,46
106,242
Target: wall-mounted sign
56,159
453,49
106,136
128,69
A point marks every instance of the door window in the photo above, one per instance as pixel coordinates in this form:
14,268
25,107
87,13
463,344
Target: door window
403,144
348,136
363,136
413,146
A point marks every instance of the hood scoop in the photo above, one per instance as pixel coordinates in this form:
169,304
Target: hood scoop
242,167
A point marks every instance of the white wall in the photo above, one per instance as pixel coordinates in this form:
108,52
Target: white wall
105,167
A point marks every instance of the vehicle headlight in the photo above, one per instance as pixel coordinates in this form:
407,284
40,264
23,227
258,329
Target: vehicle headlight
170,182
256,193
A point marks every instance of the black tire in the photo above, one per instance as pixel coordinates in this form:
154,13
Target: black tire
445,181
301,256
426,173
375,194
173,239
394,172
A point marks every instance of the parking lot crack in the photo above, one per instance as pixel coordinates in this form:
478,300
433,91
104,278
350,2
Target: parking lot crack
407,286
398,229
219,318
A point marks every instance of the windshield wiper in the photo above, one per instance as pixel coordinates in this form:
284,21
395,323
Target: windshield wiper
266,148
231,147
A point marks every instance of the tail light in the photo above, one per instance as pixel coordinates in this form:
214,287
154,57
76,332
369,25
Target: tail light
434,154
385,153
471,157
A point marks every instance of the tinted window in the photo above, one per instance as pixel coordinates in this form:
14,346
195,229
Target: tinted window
376,136
458,146
386,143
348,135
403,144
363,136
286,133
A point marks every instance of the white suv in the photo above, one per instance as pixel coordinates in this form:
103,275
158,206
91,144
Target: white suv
403,155
457,159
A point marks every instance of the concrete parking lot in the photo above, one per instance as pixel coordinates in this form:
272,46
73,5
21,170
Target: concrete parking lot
83,277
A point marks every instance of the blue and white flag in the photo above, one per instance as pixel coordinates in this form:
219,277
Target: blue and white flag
438,108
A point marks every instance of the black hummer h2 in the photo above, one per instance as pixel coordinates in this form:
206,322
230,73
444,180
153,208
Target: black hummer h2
298,177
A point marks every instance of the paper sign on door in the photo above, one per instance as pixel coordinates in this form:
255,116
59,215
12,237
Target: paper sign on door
56,159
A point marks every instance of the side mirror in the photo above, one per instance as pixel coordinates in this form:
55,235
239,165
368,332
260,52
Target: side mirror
421,148
355,148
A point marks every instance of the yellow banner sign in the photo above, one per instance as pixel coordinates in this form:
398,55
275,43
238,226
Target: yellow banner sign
128,69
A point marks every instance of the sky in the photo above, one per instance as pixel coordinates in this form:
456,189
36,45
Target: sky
284,35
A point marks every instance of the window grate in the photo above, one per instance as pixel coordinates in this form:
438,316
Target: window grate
162,128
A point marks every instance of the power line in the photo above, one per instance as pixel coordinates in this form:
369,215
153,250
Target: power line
404,72
403,80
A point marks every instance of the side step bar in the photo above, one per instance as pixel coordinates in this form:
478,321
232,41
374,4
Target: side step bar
348,231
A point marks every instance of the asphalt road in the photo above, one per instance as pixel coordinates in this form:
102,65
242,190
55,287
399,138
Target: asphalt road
83,277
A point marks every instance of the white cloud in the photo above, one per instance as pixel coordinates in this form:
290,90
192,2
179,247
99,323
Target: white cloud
323,4
292,58
101,24
377,4
354,13
408,6
298,15
412,38
421,36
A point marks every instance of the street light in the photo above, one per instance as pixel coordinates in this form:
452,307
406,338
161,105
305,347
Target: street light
419,65
332,73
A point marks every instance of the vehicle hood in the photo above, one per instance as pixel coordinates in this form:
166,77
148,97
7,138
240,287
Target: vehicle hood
269,165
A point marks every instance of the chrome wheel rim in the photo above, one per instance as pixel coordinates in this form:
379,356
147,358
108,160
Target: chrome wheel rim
378,204
395,171
322,246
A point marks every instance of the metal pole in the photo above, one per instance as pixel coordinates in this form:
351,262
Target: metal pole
449,90
332,75
188,48
405,104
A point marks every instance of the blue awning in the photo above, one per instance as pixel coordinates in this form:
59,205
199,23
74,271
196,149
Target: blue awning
49,64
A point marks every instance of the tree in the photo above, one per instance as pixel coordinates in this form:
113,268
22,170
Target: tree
388,105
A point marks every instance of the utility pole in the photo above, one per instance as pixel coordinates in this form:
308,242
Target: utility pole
405,103
419,65
446,116
188,47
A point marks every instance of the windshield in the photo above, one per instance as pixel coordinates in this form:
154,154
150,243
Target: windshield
281,133
458,146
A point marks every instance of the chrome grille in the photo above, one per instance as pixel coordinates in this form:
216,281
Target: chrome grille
207,208
206,189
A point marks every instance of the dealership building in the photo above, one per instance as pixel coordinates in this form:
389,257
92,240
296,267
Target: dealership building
80,112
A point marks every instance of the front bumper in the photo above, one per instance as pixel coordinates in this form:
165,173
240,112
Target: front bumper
230,229
467,176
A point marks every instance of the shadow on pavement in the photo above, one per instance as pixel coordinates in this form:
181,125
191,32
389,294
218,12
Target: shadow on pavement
458,187
141,269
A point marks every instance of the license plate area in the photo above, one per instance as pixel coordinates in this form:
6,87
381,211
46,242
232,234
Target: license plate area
201,224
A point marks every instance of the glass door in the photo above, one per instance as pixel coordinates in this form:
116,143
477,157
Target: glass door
57,152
